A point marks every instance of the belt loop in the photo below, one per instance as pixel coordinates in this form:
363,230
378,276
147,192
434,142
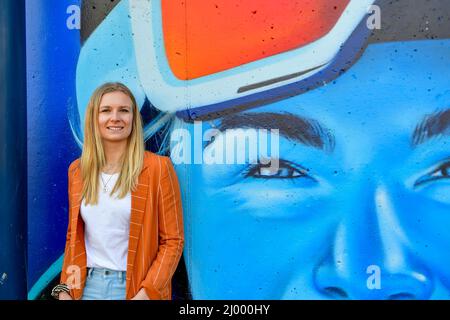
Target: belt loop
90,272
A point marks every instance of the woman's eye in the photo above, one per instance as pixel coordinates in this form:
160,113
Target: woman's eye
104,110
442,172
284,170
125,110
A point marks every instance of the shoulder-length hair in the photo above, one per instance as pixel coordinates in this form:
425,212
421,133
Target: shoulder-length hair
93,156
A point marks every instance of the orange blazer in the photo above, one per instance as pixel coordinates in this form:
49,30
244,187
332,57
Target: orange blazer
156,236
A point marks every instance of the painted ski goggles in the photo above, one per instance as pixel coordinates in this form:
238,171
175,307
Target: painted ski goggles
264,50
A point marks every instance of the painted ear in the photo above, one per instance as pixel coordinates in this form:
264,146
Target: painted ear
93,12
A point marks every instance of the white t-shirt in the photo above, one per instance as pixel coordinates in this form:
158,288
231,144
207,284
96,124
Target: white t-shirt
107,226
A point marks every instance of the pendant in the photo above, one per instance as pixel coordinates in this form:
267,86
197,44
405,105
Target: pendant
105,190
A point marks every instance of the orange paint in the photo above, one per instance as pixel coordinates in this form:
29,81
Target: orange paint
205,37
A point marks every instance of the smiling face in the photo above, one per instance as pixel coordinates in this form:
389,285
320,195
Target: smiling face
115,117
360,206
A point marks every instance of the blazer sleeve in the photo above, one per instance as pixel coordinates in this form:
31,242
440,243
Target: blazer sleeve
66,261
171,234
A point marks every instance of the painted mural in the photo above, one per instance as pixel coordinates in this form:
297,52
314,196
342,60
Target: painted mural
340,108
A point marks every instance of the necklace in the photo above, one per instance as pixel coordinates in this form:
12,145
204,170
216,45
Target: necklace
105,185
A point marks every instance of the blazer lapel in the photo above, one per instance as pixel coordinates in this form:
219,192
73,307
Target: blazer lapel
75,204
138,201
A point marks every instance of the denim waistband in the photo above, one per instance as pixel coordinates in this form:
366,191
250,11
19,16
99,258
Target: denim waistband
106,272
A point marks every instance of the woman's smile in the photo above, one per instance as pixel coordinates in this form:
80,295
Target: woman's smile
115,128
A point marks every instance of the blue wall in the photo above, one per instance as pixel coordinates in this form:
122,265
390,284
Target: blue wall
13,156
51,61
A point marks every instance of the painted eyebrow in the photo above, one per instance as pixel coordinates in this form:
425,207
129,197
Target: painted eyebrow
303,130
435,125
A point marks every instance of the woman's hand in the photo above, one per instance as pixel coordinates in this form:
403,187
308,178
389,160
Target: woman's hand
64,296
141,295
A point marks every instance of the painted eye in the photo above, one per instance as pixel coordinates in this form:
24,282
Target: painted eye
442,172
284,170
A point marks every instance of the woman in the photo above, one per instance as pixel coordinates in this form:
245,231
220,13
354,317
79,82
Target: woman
125,235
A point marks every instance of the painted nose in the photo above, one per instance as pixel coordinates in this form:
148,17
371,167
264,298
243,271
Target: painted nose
368,259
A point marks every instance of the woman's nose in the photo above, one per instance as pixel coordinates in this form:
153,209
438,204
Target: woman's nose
368,259
115,116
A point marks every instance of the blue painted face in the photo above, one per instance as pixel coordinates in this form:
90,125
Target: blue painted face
361,212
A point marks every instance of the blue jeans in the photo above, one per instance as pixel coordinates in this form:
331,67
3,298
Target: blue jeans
104,284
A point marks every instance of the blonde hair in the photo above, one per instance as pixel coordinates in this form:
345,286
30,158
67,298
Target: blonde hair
93,156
